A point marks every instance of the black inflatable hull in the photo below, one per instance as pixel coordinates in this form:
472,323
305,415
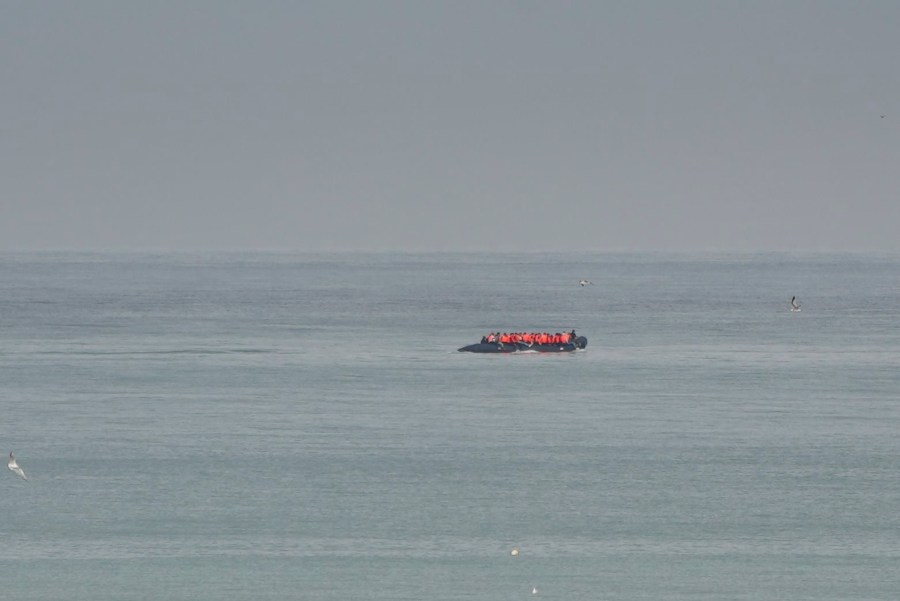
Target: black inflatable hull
497,347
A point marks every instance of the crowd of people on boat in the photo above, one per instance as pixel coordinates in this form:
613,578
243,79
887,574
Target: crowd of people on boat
529,338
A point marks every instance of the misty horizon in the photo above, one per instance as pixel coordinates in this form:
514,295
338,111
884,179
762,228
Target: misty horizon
405,127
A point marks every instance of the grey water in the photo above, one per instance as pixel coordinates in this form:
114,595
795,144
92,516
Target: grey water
300,426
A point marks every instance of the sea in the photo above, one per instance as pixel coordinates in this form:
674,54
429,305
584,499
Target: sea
269,426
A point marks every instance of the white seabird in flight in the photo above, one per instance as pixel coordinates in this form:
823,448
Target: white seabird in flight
585,282
14,467
795,306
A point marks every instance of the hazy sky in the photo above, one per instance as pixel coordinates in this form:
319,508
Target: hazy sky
670,125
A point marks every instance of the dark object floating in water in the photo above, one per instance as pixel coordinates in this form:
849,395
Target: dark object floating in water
579,342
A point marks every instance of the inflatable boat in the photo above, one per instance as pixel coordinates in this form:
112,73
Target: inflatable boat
579,342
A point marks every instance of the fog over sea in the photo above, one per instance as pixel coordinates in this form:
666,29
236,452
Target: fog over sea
269,426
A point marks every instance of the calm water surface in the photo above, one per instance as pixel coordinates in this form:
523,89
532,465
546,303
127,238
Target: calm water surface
281,426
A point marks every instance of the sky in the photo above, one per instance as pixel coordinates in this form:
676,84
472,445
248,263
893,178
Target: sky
450,126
